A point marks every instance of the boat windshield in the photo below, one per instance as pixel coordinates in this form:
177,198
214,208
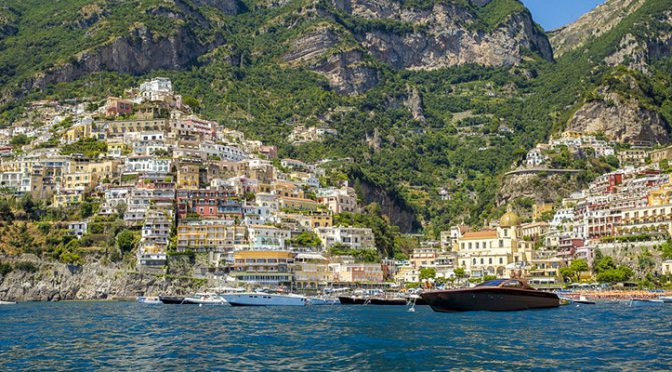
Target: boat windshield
492,283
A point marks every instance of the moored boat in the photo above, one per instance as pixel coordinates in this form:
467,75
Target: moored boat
149,300
7,303
173,300
641,302
666,299
205,299
265,299
583,300
493,295
319,301
353,300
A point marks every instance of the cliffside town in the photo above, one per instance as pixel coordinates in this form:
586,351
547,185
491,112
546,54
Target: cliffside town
143,188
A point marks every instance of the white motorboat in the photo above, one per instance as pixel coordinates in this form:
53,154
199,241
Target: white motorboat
149,300
7,303
265,299
205,299
645,302
319,301
666,299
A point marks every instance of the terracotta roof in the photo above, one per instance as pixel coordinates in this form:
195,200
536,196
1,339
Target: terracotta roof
487,234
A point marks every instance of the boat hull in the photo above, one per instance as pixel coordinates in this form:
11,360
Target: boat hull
490,299
263,299
345,300
646,303
174,300
323,301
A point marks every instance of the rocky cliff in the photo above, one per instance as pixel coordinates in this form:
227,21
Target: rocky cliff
137,53
445,35
622,120
360,34
52,281
592,25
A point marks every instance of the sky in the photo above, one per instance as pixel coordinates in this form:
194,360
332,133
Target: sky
551,14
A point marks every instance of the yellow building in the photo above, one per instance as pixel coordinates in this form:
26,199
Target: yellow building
311,271
211,235
494,252
263,266
77,132
187,175
661,154
66,199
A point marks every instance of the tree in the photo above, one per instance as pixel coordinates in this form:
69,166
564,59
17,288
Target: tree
460,273
6,213
567,273
126,240
19,140
86,209
579,266
307,239
427,273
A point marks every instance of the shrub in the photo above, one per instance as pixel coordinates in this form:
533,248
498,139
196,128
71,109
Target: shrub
26,266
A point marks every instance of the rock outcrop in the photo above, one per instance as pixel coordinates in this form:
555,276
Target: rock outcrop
539,187
592,25
445,35
638,53
621,120
93,281
138,53
358,34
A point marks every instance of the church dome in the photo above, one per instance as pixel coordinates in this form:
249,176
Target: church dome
509,219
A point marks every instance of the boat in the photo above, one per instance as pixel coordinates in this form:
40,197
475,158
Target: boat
149,300
583,300
492,295
174,300
319,301
265,299
205,299
640,302
666,299
7,303
353,300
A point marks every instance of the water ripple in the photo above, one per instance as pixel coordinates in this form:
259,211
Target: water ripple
129,336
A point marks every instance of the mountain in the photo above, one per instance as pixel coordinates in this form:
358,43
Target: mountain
344,40
432,100
592,25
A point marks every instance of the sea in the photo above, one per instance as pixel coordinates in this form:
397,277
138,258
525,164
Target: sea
43,336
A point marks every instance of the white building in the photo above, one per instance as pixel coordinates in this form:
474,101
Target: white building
352,237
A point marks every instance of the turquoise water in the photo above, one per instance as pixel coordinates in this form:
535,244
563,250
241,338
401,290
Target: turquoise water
109,335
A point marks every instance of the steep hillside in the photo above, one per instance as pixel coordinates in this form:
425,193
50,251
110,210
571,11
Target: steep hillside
344,40
433,100
592,25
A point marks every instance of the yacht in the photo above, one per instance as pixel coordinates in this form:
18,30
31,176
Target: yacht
149,300
7,303
265,299
493,295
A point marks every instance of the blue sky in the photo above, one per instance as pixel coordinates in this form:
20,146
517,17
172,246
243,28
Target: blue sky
551,14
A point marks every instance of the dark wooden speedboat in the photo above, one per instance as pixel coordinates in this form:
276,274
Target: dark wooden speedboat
493,295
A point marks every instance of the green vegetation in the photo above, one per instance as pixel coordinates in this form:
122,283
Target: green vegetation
246,84
360,255
88,147
126,240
